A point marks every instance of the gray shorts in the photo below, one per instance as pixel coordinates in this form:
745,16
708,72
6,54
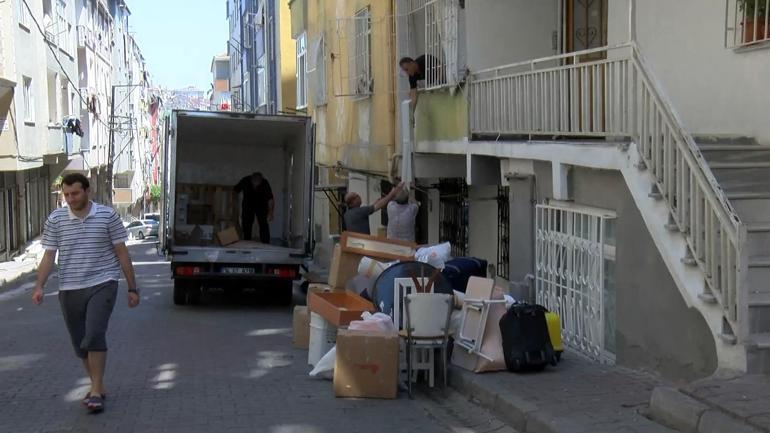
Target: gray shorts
87,313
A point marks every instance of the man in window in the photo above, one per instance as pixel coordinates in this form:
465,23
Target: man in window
416,70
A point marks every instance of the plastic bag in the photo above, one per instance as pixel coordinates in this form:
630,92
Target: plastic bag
373,322
436,255
324,368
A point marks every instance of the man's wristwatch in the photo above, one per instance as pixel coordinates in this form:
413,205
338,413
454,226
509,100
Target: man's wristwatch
133,291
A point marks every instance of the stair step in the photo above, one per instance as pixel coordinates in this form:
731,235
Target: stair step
738,165
732,147
760,341
759,299
723,139
749,196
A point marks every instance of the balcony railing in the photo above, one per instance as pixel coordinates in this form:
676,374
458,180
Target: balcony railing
609,92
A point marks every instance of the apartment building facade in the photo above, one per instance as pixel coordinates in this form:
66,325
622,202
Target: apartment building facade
623,167
38,101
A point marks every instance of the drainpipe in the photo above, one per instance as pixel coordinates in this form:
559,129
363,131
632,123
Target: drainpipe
632,20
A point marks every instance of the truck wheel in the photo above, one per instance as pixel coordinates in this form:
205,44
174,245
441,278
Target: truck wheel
180,292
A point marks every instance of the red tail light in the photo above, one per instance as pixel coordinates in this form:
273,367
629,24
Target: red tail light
187,271
283,272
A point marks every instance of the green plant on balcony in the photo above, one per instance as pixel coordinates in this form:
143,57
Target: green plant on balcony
753,13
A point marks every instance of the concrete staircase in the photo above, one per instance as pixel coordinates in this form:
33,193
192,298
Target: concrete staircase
742,168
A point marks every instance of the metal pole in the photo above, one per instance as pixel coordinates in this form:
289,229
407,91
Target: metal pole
111,149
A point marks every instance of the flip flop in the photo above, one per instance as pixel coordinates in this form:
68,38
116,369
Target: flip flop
88,397
95,404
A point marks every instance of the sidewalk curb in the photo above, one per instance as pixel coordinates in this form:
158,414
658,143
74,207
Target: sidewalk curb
673,408
513,411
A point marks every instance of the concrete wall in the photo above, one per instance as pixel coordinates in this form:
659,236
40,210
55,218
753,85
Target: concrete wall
705,72
482,221
654,328
524,27
358,132
441,115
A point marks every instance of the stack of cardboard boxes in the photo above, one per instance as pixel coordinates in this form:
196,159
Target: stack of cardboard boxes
203,210
367,361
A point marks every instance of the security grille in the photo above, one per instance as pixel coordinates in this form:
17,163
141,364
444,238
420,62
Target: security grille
360,60
572,257
454,215
503,232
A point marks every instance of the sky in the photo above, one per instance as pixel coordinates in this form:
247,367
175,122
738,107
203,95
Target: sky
178,39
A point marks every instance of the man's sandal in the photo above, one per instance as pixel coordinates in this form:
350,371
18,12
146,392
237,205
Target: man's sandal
88,397
95,404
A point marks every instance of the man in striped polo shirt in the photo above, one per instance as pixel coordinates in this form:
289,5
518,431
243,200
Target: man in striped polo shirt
90,239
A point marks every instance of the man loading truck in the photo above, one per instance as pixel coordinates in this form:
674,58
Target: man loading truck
257,201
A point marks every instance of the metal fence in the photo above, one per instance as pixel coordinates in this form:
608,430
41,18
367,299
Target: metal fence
453,211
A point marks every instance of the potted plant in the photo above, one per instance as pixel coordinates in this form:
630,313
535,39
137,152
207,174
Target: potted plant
754,13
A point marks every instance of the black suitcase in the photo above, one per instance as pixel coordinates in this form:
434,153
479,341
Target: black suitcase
459,270
526,342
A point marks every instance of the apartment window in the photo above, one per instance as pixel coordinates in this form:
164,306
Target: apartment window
575,275
316,70
221,70
29,100
61,30
361,60
24,15
747,23
65,102
302,71
434,26
54,94
262,85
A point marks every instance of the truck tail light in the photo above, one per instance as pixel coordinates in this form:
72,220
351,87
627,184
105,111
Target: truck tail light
283,272
187,271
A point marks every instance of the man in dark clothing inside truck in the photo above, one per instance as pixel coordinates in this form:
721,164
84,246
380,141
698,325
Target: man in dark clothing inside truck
257,201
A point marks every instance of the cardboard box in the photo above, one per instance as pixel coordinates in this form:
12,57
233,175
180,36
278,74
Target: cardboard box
344,267
316,288
228,236
301,328
340,307
375,247
366,364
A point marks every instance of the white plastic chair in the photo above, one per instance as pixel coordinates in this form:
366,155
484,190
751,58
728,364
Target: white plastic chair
427,328
401,288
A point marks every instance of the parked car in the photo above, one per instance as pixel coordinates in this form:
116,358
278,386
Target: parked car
142,228
152,216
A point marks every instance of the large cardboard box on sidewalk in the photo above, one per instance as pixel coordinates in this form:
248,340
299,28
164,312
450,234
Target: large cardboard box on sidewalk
366,364
301,327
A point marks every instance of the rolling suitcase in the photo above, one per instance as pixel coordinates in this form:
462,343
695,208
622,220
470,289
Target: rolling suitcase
526,341
459,270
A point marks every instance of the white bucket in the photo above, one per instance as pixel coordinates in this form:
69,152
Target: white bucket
323,336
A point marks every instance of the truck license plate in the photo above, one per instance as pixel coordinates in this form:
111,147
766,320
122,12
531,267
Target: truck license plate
231,270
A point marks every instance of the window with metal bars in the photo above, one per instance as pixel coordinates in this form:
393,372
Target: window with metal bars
361,61
747,23
453,211
503,232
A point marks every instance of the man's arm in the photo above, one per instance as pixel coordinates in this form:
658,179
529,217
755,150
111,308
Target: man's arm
413,97
239,186
128,270
381,203
43,272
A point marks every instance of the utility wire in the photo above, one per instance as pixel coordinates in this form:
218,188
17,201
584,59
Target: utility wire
56,56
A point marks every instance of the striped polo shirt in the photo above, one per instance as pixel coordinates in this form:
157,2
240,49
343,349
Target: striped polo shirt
86,246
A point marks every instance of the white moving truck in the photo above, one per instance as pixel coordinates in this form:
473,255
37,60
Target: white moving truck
206,155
